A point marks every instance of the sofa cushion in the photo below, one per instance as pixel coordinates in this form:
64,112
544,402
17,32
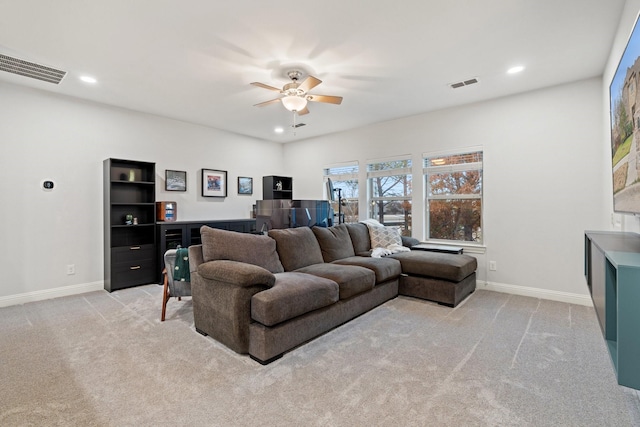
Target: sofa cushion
292,295
236,273
359,234
384,268
351,279
382,236
249,248
334,242
451,267
297,247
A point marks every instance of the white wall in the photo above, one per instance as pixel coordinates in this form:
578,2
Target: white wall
47,136
547,175
543,172
618,222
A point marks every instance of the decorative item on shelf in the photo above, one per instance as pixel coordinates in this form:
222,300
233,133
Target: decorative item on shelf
277,187
132,175
128,219
245,185
135,221
175,180
214,183
166,211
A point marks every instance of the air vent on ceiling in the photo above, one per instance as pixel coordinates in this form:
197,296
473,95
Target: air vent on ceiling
30,69
298,125
463,83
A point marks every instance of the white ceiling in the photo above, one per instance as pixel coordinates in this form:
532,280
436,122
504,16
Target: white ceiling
193,60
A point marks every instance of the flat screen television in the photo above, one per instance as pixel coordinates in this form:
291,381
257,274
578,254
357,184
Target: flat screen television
624,98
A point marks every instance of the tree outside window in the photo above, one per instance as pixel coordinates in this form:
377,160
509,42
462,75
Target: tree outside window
390,193
454,197
345,178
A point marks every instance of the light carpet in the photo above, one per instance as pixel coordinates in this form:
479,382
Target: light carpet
101,359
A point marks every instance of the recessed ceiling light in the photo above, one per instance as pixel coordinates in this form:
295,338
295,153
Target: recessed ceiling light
515,70
278,130
88,79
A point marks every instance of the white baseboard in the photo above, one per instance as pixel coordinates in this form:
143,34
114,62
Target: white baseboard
536,293
51,293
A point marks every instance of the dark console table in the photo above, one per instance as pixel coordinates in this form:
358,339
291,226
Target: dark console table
170,235
612,270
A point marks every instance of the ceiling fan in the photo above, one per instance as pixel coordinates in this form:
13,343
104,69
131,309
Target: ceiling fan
296,94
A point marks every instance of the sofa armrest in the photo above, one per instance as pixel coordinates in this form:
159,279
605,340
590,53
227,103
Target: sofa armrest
236,273
222,292
195,258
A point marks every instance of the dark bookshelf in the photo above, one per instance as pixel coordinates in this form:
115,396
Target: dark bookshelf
129,244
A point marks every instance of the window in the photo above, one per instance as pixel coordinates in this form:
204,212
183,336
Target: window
345,178
389,184
453,202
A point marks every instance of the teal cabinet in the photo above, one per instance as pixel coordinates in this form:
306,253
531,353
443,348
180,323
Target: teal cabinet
612,270
622,330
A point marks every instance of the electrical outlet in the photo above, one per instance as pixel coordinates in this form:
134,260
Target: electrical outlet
71,269
493,266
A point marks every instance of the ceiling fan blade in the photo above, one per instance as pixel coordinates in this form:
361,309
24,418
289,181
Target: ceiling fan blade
325,98
309,83
304,111
262,85
262,104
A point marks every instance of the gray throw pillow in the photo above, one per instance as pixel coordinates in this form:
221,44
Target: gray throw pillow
297,247
359,234
335,242
249,248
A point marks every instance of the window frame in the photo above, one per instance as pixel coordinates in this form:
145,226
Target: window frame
343,176
407,170
452,168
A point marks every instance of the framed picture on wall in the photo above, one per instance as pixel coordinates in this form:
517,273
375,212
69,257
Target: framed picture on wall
214,183
245,185
623,99
175,180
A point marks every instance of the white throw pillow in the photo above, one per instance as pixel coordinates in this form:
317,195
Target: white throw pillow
382,236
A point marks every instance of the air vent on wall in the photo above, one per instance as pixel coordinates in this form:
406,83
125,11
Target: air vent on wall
463,83
30,69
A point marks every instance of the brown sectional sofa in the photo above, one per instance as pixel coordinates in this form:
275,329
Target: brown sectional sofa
265,295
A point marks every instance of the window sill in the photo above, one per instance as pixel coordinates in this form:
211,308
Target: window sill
468,247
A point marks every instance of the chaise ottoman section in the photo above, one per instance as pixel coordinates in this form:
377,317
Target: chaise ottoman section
441,277
441,291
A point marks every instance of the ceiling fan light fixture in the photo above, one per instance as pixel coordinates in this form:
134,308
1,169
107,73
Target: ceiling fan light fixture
294,103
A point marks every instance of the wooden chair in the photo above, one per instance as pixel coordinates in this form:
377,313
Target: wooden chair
173,288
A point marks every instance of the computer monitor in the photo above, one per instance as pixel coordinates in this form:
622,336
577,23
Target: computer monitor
330,192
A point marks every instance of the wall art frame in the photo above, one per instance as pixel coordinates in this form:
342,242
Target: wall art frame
625,121
175,180
245,185
214,183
